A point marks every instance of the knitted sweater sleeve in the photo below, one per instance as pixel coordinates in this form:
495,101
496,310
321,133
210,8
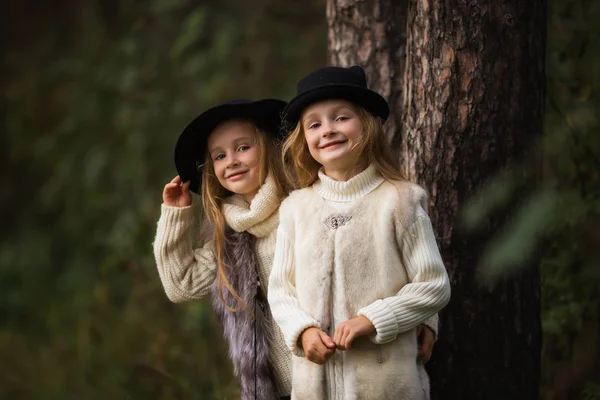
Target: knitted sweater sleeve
427,292
432,323
285,308
186,274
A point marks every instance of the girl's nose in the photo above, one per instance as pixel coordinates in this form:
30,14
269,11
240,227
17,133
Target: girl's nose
233,161
328,129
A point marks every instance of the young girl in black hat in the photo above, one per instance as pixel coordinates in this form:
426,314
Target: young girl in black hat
356,267
230,156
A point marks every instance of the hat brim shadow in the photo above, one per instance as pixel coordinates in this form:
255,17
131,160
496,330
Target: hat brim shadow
365,98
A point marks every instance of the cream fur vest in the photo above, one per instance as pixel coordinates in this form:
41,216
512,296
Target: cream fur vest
345,261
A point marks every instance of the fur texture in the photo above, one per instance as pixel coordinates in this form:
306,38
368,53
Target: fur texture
345,269
250,358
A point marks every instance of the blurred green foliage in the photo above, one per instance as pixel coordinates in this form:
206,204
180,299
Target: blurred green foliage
560,219
96,93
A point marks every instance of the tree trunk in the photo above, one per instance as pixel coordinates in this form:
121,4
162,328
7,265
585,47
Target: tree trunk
472,105
372,34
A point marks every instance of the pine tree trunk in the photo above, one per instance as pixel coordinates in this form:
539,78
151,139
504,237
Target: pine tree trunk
472,105
372,34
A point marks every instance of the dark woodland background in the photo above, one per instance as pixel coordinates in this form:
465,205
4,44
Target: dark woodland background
94,95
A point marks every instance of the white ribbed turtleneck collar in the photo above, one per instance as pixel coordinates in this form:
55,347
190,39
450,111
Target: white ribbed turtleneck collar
260,217
344,191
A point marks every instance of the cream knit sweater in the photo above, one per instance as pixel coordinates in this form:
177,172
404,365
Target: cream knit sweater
187,273
342,196
361,247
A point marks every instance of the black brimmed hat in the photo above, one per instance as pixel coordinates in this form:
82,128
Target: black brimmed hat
335,83
190,150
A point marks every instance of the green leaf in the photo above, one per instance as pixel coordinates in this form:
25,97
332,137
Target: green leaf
515,245
495,194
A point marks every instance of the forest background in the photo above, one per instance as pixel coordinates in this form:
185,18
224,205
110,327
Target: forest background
95,94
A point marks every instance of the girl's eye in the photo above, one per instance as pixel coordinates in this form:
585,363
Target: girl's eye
243,148
341,118
219,157
314,125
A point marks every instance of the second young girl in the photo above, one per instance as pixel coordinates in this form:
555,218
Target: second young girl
229,154
356,267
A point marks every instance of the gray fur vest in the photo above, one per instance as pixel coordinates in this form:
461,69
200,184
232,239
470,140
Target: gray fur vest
248,338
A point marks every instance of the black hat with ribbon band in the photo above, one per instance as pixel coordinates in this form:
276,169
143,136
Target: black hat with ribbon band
335,83
190,150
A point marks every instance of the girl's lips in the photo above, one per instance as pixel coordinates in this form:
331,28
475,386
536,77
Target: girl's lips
236,176
331,144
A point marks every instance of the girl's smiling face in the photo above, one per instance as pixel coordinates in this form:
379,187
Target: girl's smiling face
332,129
235,154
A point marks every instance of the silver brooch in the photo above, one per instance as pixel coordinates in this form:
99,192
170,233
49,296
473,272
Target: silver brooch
335,221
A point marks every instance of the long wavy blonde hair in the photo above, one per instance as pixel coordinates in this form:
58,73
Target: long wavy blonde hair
213,194
371,146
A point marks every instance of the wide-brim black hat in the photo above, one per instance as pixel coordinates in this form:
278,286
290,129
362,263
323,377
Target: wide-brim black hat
190,150
335,83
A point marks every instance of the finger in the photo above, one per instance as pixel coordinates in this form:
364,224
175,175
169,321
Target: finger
342,342
325,353
326,340
168,194
338,335
349,339
423,356
428,337
426,350
176,180
426,346
419,336
171,185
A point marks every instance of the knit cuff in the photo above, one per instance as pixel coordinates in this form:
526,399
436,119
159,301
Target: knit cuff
171,215
382,317
432,323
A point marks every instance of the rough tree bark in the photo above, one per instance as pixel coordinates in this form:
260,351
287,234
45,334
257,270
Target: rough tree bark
372,34
472,104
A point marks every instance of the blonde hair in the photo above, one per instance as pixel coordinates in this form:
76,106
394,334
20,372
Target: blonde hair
371,143
213,195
